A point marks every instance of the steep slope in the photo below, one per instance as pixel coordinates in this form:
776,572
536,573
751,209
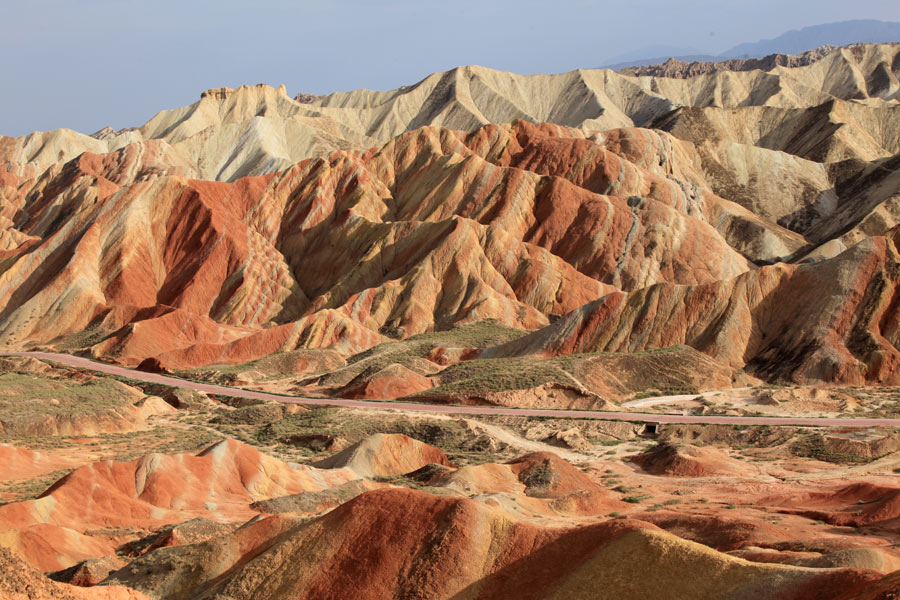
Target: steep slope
835,320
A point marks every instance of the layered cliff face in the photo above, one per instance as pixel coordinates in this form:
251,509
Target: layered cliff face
137,253
512,222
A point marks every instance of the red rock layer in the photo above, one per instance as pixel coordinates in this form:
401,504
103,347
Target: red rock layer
515,222
397,543
21,463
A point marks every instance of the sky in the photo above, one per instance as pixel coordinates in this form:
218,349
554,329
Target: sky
86,64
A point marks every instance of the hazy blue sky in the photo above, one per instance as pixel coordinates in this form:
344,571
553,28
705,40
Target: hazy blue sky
84,64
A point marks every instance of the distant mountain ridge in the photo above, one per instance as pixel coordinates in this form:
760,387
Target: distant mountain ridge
641,54
841,33
681,69
795,41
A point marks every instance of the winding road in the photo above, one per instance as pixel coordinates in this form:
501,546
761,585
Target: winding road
221,390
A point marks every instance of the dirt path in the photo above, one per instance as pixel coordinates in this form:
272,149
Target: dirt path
220,390
882,466
656,400
515,440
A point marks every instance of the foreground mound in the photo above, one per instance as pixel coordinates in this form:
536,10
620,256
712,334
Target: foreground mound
19,581
400,543
855,505
63,403
390,382
683,460
385,455
545,474
220,483
539,484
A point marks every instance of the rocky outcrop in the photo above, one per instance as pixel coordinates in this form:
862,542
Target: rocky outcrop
681,460
231,272
393,381
855,505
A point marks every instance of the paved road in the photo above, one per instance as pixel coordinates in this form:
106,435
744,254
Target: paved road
84,363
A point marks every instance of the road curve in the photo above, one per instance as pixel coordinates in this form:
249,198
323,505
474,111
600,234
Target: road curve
221,390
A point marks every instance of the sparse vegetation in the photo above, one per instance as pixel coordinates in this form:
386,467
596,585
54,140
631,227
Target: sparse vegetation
540,476
257,414
451,436
32,488
501,374
636,499
25,394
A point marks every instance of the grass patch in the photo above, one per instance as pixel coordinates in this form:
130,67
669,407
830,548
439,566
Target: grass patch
813,445
34,487
502,374
24,394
